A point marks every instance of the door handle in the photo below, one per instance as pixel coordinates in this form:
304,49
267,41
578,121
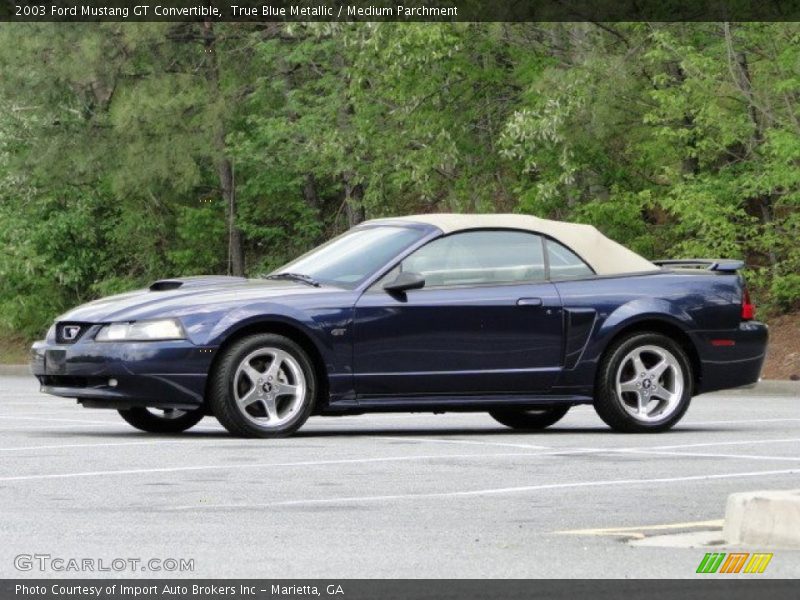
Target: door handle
529,302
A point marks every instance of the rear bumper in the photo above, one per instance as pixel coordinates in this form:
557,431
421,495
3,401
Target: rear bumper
120,375
732,358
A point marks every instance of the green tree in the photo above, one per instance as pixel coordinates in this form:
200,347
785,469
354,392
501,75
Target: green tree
130,152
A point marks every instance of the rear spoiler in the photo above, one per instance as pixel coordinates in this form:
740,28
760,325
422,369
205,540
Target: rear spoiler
725,265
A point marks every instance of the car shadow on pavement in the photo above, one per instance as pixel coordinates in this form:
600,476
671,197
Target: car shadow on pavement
398,432
502,432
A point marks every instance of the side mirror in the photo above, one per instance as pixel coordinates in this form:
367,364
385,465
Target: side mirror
405,281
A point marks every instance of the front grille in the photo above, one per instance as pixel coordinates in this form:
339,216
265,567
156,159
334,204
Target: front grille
69,333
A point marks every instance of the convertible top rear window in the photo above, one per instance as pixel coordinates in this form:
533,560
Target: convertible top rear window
564,263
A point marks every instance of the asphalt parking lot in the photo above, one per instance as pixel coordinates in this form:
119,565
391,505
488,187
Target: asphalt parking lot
385,496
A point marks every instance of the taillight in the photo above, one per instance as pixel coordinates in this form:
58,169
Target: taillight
748,308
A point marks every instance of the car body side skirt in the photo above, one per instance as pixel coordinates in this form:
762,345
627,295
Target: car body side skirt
449,403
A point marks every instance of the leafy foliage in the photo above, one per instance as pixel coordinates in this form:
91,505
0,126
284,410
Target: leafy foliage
130,152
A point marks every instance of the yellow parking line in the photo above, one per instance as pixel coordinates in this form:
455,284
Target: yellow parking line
638,531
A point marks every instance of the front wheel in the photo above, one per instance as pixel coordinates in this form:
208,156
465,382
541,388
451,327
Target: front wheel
263,386
529,418
166,420
644,384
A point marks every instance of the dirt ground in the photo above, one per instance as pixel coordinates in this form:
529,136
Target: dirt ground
13,350
783,356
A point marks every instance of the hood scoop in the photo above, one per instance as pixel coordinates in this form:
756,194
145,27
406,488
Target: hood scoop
166,285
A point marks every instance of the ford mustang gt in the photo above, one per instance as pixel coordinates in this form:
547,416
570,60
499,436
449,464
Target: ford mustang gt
511,314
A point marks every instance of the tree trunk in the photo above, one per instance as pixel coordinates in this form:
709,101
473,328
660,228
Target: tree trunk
227,182
353,202
313,200
228,188
745,84
740,71
689,164
747,87
310,194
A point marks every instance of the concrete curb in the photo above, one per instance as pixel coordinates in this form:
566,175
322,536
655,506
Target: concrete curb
768,518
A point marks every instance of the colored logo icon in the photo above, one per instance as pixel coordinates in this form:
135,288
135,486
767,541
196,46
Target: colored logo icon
735,562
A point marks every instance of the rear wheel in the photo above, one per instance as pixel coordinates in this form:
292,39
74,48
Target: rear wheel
161,420
644,384
264,386
529,418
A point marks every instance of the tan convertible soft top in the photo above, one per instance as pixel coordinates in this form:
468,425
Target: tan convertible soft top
604,255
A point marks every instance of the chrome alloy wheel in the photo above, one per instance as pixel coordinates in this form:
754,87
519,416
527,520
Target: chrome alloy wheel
649,383
269,387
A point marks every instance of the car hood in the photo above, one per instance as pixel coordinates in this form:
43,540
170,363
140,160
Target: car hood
176,297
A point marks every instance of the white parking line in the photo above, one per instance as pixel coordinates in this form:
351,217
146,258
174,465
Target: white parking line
456,441
308,463
737,421
550,450
544,454
736,443
47,419
496,491
713,455
156,442
68,446
638,532
61,427
35,400
567,451
64,405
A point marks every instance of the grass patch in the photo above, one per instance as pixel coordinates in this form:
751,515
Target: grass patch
13,349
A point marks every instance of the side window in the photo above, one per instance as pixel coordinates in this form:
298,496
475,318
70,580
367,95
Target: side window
564,263
479,258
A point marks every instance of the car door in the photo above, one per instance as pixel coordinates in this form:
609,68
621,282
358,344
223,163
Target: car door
485,322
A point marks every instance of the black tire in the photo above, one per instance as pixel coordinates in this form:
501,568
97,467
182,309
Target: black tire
147,419
240,422
611,406
530,418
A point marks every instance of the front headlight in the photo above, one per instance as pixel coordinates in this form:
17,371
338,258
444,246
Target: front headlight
141,331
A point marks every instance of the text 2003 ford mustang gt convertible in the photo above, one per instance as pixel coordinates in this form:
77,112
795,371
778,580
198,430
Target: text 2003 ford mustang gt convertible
510,314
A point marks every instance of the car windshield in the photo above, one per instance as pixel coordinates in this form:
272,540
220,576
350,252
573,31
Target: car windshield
350,258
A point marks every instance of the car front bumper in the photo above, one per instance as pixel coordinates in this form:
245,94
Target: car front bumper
170,374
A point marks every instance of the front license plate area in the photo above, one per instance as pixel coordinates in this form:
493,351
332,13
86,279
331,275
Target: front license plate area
55,362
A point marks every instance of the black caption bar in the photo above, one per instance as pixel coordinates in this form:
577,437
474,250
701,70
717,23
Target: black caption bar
402,10
385,589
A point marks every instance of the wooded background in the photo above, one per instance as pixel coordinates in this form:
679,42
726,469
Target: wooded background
130,152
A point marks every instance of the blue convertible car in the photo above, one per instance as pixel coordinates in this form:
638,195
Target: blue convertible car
510,314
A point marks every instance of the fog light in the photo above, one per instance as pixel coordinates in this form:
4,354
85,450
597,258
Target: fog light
112,382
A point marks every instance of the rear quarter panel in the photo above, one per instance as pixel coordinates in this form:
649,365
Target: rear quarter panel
698,303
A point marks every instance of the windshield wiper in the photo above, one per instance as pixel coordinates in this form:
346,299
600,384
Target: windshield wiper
294,277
